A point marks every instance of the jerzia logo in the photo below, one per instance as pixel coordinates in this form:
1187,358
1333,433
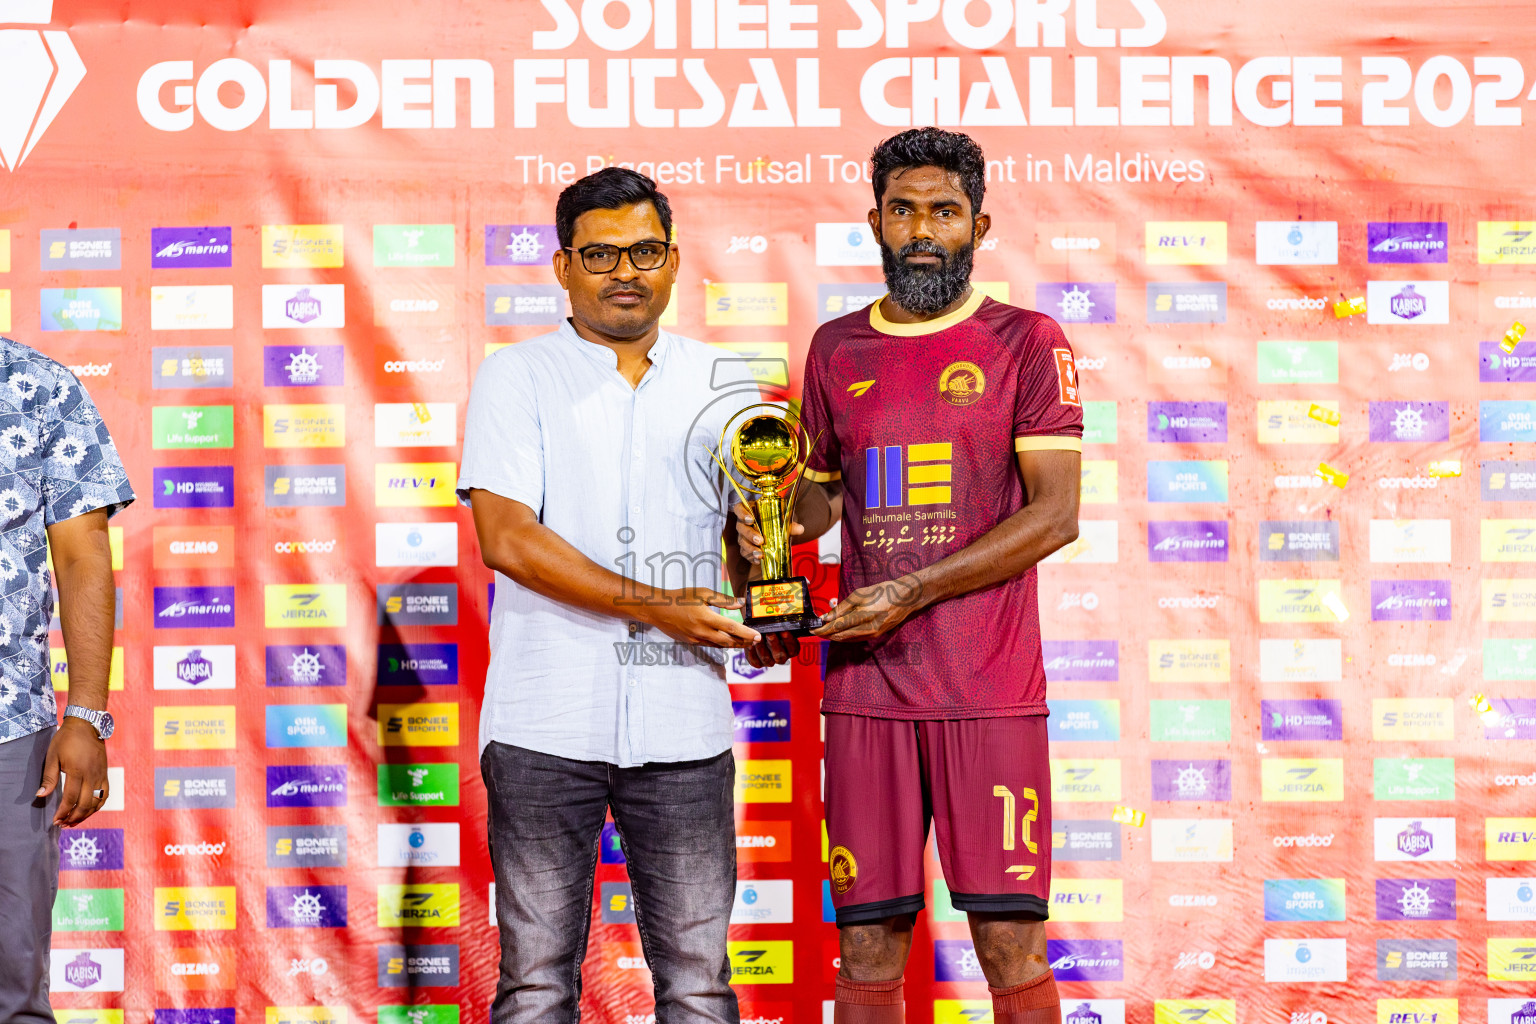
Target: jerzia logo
40,71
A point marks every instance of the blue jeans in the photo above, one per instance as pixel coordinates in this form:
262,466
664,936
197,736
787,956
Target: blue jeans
677,823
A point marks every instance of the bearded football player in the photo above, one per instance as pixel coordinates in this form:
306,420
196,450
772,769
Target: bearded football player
948,440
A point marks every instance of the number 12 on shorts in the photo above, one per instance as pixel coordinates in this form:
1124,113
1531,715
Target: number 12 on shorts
1010,832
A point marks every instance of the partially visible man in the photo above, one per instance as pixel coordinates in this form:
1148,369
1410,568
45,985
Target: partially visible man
60,481
586,466
949,434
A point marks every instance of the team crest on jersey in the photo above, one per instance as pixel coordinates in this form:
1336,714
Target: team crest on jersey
1066,376
962,383
843,868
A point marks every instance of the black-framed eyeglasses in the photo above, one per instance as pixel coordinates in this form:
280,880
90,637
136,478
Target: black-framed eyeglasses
602,258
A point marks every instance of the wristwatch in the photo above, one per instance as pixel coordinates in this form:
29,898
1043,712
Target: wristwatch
102,720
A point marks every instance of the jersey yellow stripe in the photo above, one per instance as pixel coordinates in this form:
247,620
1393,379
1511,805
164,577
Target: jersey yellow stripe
938,474
1047,444
928,496
938,451
818,477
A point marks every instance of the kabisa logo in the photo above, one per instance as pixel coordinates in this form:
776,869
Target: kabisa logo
1408,303
1415,839
194,668
42,71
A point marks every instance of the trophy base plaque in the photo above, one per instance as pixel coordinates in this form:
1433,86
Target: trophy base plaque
780,606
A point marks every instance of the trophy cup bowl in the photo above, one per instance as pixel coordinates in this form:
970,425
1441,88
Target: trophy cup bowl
765,446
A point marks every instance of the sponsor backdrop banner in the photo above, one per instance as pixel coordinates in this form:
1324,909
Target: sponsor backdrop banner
276,243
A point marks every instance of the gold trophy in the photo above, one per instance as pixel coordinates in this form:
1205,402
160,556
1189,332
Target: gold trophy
769,449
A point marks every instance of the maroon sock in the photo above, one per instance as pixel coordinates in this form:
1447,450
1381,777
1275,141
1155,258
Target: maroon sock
1034,1002
868,1002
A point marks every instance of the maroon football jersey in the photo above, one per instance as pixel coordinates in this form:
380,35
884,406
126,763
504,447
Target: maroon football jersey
921,421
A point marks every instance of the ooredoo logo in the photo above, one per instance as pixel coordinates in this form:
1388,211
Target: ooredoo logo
1311,839
41,71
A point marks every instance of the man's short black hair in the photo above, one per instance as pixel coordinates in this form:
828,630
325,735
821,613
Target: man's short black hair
931,147
611,188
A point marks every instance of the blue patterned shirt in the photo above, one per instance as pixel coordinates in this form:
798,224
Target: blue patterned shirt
57,461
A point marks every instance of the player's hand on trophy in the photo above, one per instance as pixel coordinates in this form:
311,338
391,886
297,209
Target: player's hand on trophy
750,540
773,649
871,611
691,615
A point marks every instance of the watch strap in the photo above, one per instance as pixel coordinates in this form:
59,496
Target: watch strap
96,718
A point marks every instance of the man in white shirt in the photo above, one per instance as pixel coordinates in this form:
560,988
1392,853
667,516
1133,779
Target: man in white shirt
602,513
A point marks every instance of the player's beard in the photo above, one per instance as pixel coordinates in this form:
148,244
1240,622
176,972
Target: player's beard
927,290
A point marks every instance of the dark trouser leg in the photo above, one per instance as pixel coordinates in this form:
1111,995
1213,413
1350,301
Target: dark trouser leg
679,827
544,817
29,880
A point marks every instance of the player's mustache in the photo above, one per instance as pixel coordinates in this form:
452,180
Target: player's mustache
629,286
920,247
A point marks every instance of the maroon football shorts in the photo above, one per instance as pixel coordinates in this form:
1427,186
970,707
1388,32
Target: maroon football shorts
984,782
